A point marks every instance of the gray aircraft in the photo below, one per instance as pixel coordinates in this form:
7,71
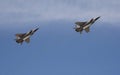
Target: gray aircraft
21,37
80,26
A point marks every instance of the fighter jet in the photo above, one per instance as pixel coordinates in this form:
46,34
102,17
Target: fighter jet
21,37
80,26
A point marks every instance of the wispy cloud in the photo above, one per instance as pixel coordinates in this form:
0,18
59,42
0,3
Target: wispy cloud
13,11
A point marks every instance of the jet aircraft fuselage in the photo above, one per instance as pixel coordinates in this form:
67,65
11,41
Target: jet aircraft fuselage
25,36
80,26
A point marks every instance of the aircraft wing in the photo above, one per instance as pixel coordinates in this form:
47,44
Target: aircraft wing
87,29
80,23
19,35
27,40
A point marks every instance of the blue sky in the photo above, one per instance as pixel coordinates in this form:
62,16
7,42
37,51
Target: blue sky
56,49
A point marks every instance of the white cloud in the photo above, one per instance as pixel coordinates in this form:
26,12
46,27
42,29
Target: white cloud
16,11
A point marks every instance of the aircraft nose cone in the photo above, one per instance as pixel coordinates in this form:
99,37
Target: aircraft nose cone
36,29
97,18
